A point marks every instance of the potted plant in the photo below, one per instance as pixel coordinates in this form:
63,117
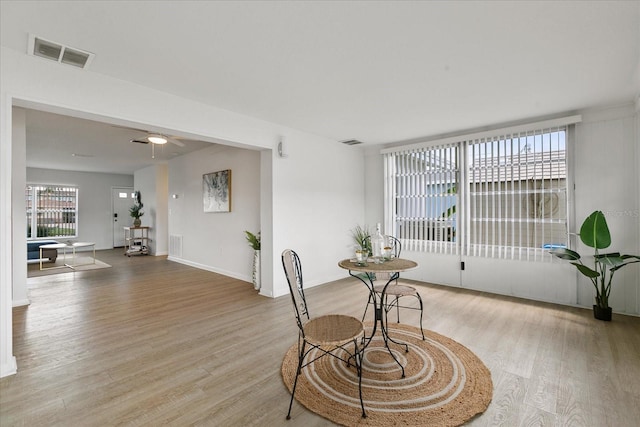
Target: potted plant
595,234
136,212
362,237
254,242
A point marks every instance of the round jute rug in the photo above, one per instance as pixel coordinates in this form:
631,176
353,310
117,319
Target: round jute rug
445,384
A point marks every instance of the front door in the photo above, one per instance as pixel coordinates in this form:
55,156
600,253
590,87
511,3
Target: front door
122,200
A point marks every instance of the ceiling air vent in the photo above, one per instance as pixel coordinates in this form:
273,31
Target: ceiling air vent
59,53
351,142
46,49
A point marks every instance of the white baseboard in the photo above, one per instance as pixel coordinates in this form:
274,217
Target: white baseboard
10,368
211,269
20,303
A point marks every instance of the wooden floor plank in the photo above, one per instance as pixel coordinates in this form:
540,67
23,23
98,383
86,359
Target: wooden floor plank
153,342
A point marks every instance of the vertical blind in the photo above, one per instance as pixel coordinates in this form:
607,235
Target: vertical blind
516,194
500,196
423,183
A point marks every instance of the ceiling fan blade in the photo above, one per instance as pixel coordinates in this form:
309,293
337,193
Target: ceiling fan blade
140,141
129,128
174,141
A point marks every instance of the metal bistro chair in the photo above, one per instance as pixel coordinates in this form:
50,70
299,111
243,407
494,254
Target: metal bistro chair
330,335
394,291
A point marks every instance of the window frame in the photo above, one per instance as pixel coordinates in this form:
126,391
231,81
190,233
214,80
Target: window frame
462,244
35,214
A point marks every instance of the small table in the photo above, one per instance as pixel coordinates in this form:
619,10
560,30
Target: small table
55,246
77,245
393,266
64,247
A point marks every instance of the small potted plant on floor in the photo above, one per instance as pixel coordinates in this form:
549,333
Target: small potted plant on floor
254,242
595,234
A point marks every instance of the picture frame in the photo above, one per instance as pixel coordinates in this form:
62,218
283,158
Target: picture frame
216,191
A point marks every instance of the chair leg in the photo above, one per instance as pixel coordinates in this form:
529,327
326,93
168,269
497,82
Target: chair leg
387,309
420,300
366,307
295,382
398,311
359,358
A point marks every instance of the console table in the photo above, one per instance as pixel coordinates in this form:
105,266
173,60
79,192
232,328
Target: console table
136,241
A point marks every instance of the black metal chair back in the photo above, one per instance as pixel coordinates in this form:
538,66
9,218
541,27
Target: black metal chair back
326,334
293,271
394,244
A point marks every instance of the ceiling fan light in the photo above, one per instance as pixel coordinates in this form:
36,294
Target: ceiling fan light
157,139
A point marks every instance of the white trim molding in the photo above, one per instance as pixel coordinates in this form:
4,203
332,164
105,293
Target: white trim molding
551,123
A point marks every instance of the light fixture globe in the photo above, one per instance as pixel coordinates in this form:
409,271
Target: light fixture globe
157,139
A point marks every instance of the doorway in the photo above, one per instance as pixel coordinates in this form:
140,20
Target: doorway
121,199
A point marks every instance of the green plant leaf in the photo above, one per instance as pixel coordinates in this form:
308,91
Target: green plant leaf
362,236
611,260
586,270
253,239
595,232
564,253
635,259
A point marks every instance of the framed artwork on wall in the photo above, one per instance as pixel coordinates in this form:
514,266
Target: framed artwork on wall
216,191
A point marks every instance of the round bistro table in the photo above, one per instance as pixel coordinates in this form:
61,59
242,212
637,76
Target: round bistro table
366,273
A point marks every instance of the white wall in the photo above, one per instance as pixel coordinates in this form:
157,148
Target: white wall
7,360
315,195
19,180
152,182
607,177
162,210
318,198
215,241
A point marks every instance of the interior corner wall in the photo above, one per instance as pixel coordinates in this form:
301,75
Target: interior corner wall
374,188
318,199
8,364
162,210
215,241
266,222
637,169
152,182
607,179
19,179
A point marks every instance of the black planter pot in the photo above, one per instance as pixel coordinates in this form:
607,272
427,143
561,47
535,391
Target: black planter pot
602,313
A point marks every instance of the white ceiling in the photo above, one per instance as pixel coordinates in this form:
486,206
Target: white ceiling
68,143
380,72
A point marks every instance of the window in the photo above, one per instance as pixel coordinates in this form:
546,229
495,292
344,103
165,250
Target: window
502,195
425,196
517,193
51,211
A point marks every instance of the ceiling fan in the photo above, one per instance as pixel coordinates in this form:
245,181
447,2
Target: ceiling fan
157,139
152,137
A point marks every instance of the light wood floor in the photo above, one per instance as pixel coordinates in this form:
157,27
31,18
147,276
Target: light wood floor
152,342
